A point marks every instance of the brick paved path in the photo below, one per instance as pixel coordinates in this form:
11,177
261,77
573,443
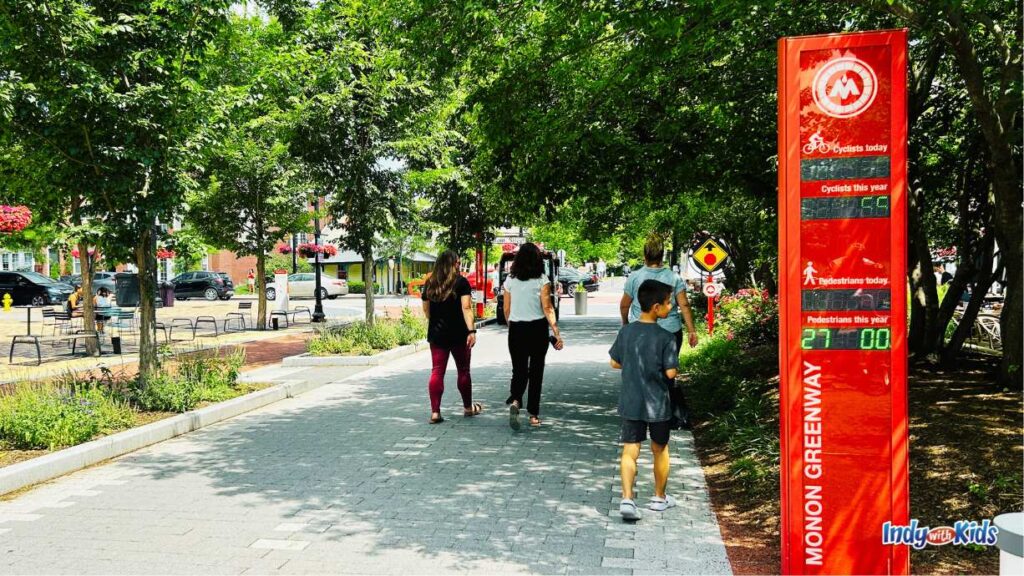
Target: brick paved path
349,478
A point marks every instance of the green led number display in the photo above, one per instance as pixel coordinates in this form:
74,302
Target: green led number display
843,207
846,339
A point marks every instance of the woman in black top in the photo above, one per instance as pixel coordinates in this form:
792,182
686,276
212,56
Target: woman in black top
448,305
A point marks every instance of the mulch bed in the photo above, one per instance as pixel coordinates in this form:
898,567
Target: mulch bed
965,464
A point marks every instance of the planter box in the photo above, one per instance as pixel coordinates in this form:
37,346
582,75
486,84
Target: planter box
308,360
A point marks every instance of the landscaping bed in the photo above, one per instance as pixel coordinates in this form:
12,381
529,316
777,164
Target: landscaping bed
37,418
965,443
362,339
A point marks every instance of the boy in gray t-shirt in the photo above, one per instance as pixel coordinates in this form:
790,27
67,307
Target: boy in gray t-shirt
649,360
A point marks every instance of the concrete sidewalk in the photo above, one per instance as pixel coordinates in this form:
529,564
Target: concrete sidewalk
350,478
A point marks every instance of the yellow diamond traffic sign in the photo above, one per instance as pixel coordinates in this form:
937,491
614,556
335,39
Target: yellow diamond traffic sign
710,256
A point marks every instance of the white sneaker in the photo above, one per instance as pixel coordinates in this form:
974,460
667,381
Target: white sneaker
628,510
662,504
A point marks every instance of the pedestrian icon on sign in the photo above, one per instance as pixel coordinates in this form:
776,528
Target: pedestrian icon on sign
809,275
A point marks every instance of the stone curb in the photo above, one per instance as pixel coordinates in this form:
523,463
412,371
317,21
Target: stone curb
65,461
307,360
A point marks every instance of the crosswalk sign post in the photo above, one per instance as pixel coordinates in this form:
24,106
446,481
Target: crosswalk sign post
710,256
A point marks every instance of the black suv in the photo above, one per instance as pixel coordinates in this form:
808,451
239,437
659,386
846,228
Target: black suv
33,288
209,285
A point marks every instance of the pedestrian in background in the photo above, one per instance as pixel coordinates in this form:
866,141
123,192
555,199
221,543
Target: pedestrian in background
654,269
527,300
250,281
448,306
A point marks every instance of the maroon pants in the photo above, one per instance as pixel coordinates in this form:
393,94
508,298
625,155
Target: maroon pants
439,356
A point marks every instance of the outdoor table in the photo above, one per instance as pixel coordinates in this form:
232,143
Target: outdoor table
28,310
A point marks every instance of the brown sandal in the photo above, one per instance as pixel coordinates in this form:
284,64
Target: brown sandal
534,421
474,409
436,420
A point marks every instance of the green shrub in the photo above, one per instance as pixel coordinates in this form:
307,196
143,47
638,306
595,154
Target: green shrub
411,328
193,378
361,339
50,417
731,384
168,393
359,287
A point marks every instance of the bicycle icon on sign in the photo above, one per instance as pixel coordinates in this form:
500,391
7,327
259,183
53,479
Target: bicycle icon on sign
816,144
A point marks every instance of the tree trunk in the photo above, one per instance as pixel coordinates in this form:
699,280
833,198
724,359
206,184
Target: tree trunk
145,261
88,307
963,330
1010,322
368,283
996,121
261,288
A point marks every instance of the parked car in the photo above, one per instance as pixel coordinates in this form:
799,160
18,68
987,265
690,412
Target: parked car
570,278
551,263
33,288
303,284
99,280
208,285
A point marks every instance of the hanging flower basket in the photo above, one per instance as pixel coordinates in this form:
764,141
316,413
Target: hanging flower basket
14,218
284,249
164,254
310,250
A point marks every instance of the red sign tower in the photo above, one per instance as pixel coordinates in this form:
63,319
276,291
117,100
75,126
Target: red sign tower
842,270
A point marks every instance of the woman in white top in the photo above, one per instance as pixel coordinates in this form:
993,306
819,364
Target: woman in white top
527,301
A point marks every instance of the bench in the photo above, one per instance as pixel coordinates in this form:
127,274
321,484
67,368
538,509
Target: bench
205,320
36,340
239,317
292,315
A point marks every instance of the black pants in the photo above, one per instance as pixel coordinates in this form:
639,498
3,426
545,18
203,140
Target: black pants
528,345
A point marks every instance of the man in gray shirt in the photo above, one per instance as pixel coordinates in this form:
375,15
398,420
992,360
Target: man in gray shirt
649,360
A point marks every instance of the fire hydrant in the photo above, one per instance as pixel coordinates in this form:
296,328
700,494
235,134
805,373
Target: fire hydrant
7,302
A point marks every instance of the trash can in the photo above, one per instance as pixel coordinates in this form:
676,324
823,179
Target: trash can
1010,541
126,289
581,302
167,294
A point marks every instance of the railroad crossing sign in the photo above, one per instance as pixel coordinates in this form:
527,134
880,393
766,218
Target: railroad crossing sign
710,256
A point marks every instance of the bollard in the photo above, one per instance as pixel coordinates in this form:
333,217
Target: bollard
1010,541
273,322
580,300
115,343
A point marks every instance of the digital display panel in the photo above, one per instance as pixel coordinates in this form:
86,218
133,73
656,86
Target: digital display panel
858,168
846,339
830,208
845,300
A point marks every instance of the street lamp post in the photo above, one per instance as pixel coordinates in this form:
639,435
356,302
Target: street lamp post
391,274
318,310
295,256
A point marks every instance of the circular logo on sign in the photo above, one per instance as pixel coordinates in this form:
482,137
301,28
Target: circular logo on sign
845,87
711,290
